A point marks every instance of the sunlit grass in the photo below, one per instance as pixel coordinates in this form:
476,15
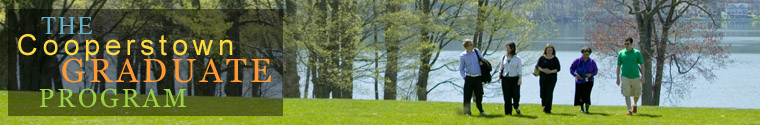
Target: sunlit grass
331,111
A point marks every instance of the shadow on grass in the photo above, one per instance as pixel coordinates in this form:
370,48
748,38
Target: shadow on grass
562,114
594,113
525,116
647,115
489,116
459,111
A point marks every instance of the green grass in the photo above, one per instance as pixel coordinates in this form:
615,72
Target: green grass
331,111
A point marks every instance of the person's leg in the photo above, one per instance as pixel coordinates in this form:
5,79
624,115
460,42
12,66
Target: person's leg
542,91
626,90
587,97
587,107
478,86
550,94
636,87
506,94
628,102
578,94
516,95
467,95
635,101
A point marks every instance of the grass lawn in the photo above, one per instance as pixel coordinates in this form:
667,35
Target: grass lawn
331,111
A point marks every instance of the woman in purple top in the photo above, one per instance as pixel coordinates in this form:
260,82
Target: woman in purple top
583,69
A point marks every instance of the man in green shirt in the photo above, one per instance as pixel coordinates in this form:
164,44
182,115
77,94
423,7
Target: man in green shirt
629,60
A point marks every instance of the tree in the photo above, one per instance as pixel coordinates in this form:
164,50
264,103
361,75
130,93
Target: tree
290,75
328,31
34,74
4,57
438,28
233,33
662,37
392,41
499,22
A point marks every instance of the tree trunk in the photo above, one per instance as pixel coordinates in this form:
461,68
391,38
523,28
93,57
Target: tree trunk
256,89
33,68
323,85
425,53
347,49
645,23
54,77
333,48
6,79
315,80
140,71
646,52
233,34
168,81
347,68
377,62
646,40
120,62
479,23
307,80
660,63
290,75
391,66
202,88
9,31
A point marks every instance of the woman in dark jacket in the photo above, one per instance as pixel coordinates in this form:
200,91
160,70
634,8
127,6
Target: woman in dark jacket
548,65
583,69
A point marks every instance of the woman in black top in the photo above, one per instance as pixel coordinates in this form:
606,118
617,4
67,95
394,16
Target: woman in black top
549,65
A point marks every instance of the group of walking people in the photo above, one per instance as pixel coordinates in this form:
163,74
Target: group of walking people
583,69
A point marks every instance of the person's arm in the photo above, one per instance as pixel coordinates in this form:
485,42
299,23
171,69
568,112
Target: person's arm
618,75
556,63
461,66
573,68
519,66
519,80
559,66
619,63
593,69
542,60
641,70
501,66
640,60
538,63
479,55
519,70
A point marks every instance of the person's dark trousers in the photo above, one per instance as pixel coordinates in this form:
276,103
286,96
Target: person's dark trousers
511,92
547,83
473,85
583,93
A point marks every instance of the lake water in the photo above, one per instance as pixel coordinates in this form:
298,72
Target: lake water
736,86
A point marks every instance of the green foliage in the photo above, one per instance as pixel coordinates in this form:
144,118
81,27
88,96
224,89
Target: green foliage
314,30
